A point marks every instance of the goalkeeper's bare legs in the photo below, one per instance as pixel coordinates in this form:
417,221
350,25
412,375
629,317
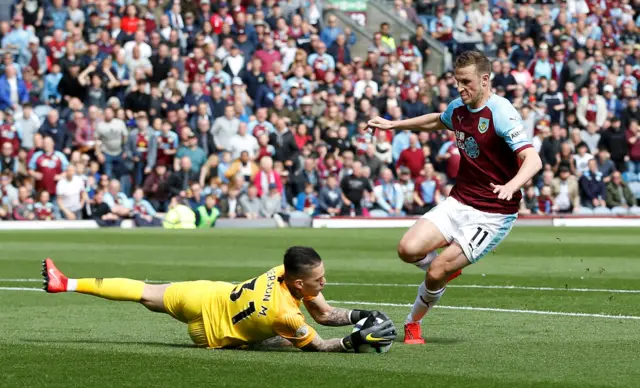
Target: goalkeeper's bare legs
149,295
153,297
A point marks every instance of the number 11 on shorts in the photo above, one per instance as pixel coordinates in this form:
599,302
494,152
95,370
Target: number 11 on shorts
475,236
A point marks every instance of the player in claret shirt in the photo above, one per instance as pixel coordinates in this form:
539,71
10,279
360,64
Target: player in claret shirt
497,160
47,166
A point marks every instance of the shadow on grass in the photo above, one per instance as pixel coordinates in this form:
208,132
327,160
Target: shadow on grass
443,341
97,342
256,348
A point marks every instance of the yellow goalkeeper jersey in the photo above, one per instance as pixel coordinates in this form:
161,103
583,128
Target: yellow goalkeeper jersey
253,311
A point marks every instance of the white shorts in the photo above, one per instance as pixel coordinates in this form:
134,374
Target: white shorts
476,231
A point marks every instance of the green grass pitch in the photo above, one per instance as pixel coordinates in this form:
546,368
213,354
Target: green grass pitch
81,341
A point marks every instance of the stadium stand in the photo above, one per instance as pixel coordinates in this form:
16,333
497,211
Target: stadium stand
257,109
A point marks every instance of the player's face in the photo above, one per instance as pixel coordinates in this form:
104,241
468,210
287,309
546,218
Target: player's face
314,282
470,85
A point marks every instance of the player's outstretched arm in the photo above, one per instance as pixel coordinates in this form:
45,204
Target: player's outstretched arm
382,334
273,343
428,122
320,345
327,315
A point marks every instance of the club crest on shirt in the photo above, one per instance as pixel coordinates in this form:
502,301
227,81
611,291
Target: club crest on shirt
483,125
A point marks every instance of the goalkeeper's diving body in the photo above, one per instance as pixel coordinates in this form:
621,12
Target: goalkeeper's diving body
262,312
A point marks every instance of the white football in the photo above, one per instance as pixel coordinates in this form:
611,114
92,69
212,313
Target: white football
370,348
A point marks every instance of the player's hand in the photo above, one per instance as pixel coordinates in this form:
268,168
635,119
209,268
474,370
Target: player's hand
381,123
383,333
505,192
380,314
357,315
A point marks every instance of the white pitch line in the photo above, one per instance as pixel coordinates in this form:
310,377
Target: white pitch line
20,289
496,287
21,280
467,308
476,286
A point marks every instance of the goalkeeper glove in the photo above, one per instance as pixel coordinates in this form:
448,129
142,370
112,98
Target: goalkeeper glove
382,333
356,315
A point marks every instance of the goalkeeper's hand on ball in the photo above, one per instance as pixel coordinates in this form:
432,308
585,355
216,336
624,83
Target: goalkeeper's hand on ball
382,333
356,315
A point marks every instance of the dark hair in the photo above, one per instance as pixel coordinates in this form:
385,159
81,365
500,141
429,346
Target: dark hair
470,58
299,260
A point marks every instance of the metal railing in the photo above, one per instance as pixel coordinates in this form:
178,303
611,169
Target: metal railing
363,38
440,58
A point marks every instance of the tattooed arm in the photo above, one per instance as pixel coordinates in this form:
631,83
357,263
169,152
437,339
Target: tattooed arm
327,315
330,345
273,343
316,345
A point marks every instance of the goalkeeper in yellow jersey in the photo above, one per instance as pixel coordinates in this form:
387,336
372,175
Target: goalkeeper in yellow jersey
261,311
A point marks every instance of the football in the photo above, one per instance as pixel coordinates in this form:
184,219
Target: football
370,348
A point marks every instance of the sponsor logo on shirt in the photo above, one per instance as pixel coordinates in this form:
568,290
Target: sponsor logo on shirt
471,148
518,134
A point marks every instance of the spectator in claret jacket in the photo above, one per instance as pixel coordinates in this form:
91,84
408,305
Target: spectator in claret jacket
633,134
156,188
412,157
142,148
47,166
340,51
592,108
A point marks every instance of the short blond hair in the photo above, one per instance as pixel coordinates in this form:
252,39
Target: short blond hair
470,58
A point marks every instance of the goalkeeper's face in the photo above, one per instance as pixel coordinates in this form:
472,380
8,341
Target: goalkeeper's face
312,283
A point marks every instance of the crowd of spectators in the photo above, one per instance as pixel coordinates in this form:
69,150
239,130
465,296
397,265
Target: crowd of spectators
258,109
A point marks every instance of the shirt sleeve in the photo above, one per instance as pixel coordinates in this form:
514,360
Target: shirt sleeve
150,210
109,200
447,115
34,160
64,162
291,326
508,125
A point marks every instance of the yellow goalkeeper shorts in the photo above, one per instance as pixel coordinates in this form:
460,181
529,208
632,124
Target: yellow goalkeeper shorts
185,300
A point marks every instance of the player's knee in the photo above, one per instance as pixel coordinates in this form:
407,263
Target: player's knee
409,250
